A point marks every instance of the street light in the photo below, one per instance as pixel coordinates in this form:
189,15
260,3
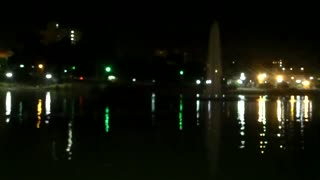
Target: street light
279,78
9,74
108,69
40,66
48,76
181,72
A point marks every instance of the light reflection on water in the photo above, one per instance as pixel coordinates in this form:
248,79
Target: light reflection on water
39,112
8,106
48,107
262,120
181,112
262,125
241,113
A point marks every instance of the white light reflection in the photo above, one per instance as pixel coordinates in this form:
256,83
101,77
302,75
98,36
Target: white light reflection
70,124
8,106
153,107
262,119
198,111
20,111
48,106
48,103
280,117
209,114
298,108
241,111
153,102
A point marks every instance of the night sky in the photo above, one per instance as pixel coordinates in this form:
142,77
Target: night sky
260,33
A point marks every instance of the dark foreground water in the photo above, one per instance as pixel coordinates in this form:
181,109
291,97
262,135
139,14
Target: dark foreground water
47,135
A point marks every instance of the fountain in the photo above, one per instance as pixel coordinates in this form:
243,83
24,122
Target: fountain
214,67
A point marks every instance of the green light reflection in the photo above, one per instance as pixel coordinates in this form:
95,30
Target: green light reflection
106,121
181,113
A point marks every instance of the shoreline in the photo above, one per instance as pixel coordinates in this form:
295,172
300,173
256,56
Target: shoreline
92,87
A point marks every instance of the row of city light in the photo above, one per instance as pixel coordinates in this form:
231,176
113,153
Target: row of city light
280,78
10,75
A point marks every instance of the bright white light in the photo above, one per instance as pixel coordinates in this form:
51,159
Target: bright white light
153,102
292,77
9,74
239,81
72,31
57,25
8,103
241,97
72,35
48,76
134,80
302,68
198,95
242,77
48,103
72,39
21,65
65,71
198,81
111,78
311,78
298,81
208,81
216,70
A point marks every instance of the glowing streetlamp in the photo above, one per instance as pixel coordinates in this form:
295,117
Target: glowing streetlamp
279,78
40,66
9,74
261,77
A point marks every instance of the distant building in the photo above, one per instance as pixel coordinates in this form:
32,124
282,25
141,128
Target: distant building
54,33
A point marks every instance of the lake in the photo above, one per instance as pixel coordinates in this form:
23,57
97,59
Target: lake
152,135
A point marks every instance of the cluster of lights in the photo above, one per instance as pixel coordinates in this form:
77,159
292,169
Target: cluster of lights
72,38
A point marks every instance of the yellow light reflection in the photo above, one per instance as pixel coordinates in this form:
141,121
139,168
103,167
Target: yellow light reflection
262,108
39,111
298,108
279,110
262,119
306,107
8,106
292,101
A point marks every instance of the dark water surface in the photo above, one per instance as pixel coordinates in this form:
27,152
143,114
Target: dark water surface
48,135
